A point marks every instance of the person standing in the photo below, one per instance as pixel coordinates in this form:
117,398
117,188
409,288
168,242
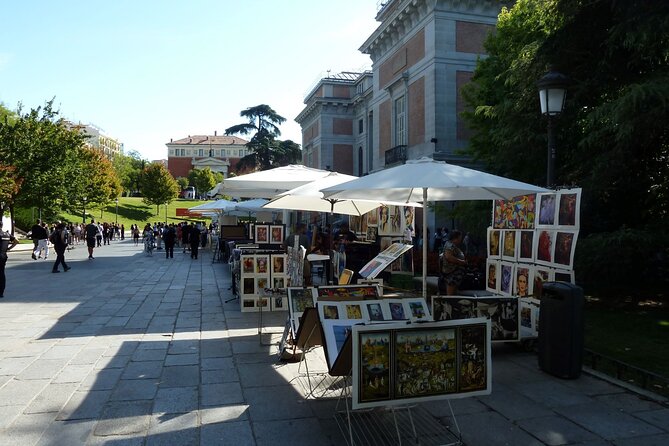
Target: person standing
7,242
453,263
194,239
41,236
60,240
91,232
185,233
169,237
122,231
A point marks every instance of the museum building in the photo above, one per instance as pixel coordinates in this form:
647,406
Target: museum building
219,153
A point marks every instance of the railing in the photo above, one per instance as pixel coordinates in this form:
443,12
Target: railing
397,154
626,372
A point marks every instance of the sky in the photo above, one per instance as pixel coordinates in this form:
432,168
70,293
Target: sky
146,71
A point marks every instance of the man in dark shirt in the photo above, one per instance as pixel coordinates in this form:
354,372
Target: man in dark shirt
169,237
91,233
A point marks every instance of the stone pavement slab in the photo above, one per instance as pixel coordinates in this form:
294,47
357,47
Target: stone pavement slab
134,350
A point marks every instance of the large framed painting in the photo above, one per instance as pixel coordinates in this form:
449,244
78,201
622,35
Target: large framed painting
494,243
565,247
502,312
299,299
544,247
547,204
569,209
403,364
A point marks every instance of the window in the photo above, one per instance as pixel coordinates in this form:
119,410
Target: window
400,127
360,126
200,152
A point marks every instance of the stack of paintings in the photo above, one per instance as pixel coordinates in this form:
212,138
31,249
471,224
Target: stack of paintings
399,364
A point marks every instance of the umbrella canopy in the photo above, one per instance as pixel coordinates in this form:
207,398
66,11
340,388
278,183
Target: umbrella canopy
255,205
310,198
428,180
268,183
212,206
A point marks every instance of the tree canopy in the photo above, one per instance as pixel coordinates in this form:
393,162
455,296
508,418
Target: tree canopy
202,179
266,151
158,185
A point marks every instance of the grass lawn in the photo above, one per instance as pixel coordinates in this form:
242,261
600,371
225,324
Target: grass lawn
134,210
631,332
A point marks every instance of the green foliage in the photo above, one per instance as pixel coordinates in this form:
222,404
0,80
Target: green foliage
128,169
266,151
158,186
182,182
202,179
623,261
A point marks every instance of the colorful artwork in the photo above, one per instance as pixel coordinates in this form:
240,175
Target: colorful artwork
473,364
397,311
565,245
330,311
299,299
336,331
276,234
502,312
261,284
353,311
375,312
278,264
547,210
374,360
541,275
261,264
544,247
517,213
261,233
248,264
506,278
522,283
349,292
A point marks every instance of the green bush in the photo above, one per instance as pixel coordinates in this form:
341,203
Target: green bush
624,262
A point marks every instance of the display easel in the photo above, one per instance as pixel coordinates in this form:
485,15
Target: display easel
308,336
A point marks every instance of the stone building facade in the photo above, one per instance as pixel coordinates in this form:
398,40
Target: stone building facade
219,153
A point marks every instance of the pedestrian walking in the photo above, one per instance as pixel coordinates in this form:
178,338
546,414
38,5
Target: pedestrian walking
91,233
185,232
60,240
7,242
169,237
98,235
122,231
194,239
41,235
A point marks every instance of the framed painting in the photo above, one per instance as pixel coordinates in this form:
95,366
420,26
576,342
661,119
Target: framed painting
300,299
501,311
276,234
509,245
474,357
278,283
569,209
335,332
396,309
494,243
522,280
261,234
348,292
262,262
493,269
417,310
375,311
354,311
373,356
565,247
525,246
278,264
248,304
248,286
529,317
248,264
330,310
372,217
517,213
544,247
372,232
383,220
547,210
278,303
506,278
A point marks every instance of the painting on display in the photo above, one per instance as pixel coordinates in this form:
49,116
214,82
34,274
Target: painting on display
569,209
336,331
402,364
494,245
261,234
371,233
409,226
417,310
396,309
522,282
348,292
329,310
526,246
372,217
543,254
375,311
565,247
506,278
278,264
541,275
248,264
276,234
248,285
529,317
509,245
493,268
502,312
390,220
299,299
547,204
517,213
563,276
262,264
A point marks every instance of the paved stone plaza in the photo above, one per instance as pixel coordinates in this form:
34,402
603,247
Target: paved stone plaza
134,350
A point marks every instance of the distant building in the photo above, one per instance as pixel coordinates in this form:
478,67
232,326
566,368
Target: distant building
219,153
423,52
99,140
162,162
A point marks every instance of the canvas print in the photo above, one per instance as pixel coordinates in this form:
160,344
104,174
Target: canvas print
544,247
506,278
261,284
526,246
547,210
348,292
248,285
565,246
517,213
372,232
522,285
396,220
276,234
473,364
299,299
329,311
278,282
353,310
493,269
355,223
372,217
384,220
261,233
509,245
417,310
494,245
397,312
278,303
529,317
569,208
408,226
375,312
374,360
425,362
248,264
261,264
336,331
501,311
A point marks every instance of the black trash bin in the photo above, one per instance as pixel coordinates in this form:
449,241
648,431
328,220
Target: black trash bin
561,330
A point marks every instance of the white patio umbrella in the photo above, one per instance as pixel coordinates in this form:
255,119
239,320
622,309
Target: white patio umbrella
268,183
428,180
310,198
212,206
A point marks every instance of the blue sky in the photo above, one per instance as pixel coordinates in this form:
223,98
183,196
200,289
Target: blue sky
148,71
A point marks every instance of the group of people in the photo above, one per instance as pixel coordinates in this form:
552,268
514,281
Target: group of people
189,236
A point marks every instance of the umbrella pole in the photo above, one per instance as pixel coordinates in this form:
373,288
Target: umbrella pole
425,243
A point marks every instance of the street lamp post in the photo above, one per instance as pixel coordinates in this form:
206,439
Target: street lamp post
84,209
116,211
552,92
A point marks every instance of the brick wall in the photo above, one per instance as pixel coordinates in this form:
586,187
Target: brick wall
310,133
403,59
342,158
342,126
341,91
384,127
462,78
179,167
469,37
417,112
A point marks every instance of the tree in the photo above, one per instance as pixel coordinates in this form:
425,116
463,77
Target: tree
266,151
182,182
128,169
158,185
202,179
